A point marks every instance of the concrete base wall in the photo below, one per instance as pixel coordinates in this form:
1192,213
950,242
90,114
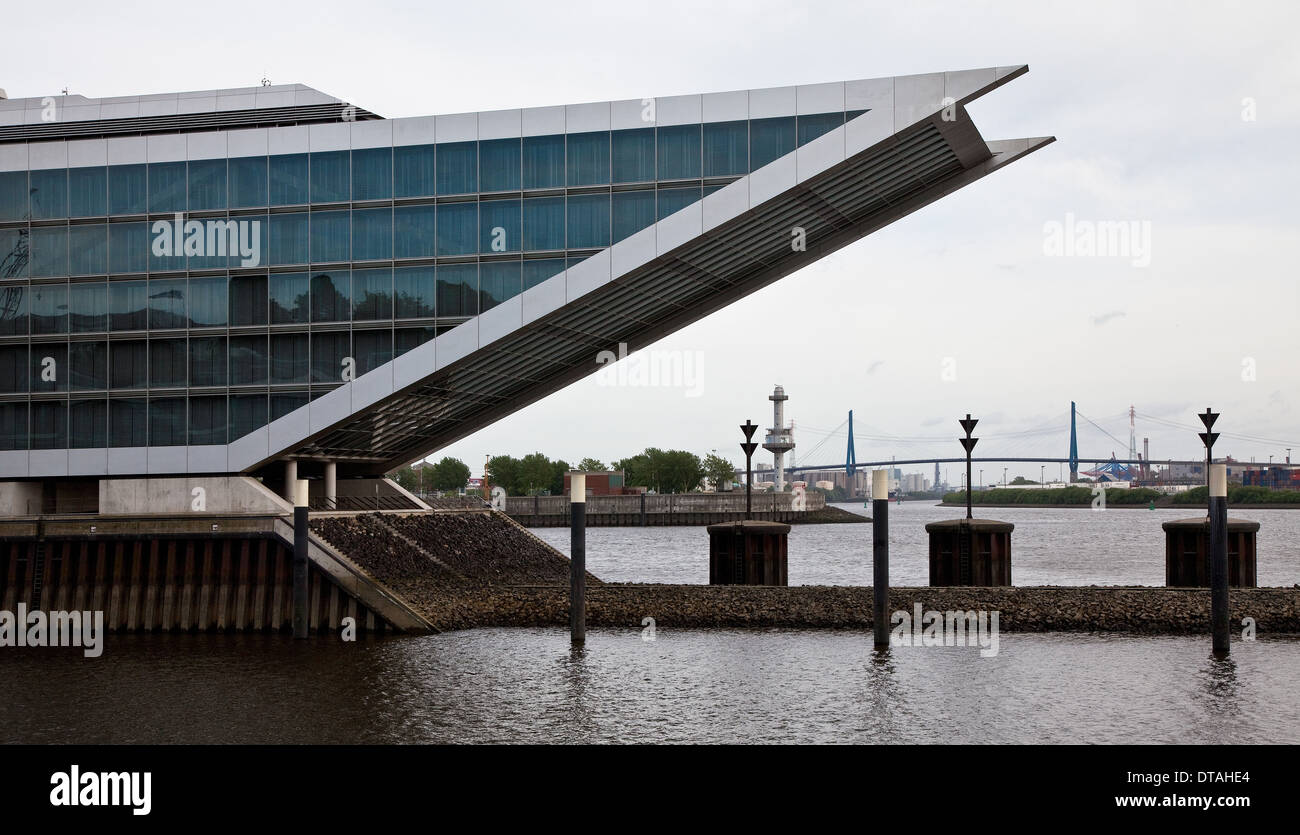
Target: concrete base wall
20,498
211,494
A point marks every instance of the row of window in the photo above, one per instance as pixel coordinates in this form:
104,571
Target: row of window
720,149
534,224
137,421
342,295
204,362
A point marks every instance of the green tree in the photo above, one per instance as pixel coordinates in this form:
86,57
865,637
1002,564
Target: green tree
504,471
718,471
592,465
449,474
407,478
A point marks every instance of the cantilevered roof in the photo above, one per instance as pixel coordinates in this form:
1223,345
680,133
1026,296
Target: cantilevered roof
914,144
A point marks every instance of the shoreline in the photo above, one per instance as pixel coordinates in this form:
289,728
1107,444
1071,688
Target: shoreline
1192,509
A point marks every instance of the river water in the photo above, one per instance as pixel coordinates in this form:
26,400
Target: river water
690,685
1050,546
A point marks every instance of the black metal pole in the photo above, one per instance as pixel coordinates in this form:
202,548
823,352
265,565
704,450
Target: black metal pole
880,562
1219,567
300,572
578,572
643,509
748,447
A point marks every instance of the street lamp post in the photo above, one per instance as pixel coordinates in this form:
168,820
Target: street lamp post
1042,479
1004,476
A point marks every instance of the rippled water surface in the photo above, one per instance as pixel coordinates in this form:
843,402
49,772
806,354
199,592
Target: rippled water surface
527,685
1050,546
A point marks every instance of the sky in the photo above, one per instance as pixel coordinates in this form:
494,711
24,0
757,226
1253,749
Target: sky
1178,118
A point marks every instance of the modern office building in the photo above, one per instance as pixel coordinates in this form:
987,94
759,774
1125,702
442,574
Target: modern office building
271,282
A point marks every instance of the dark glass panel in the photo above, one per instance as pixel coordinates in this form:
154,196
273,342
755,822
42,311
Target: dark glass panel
15,253
498,281
406,339
543,223
167,304
127,189
413,171
289,179
49,198
49,312
167,421
331,234
675,199
207,184
289,238
13,196
632,212
331,178
372,294
726,149
413,231
247,413
88,249
167,187
13,310
282,403
168,364
330,291
50,370
634,155
458,290
128,422
128,305
372,234
372,174
49,424
373,348
248,179
588,221
129,364
588,155
500,226
457,167
813,126
290,298
539,269
679,152
543,161
289,358
414,292
207,420
208,361
129,248
208,299
15,373
249,363
13,425
329,350
49,253
457,228
248,297
88,365
88,307
88,192
499,165
88,424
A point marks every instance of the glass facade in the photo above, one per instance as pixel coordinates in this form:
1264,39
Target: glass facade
306,270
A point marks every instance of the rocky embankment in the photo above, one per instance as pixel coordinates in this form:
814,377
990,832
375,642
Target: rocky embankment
464,570
829,515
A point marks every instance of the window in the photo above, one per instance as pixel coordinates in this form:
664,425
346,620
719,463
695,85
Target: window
167,304
674,199
499,165
207,420
247,413
288,179
167,187
49,424
543,223
499,226
372,234
128,305
414,292
49,366
129,365
49,193
207,184
330,236
248,180
457,228
413,171
543,161
588,221
14,249
498,281
588,158
208,361
813,126
248,360
13,313
88,424
87,192
372,294
407,339
208,300
457,290
328,351
372,174
49,311
88,366
457,168
127,422
632,212
88,307
289,238
726,149
539,269
127,189
88,249
413,231
49,251
128,248
167,363
330,292
14,373
13,195
167,421
679,152
290,298
289,358
248,297
330,177
282,403
13,425
634,155
373,348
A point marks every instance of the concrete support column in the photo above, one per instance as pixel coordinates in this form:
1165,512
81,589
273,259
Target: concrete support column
290,481
331,485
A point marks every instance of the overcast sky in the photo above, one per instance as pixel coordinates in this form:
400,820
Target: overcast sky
1180,115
